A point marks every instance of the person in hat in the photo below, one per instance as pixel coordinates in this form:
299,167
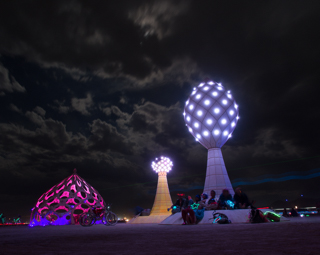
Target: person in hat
179,204
204,200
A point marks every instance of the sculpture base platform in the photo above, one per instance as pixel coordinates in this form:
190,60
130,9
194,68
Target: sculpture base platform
236,216
151,219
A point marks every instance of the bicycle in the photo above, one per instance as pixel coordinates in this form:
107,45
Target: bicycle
90,217
111,218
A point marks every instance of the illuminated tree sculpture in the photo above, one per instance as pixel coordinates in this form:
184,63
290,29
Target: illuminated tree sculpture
162,200
64,202
211,115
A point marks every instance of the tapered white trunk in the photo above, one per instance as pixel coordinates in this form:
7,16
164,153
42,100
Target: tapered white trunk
217,177
162,200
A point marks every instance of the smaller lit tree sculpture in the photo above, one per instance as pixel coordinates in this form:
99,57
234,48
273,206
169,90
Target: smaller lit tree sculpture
163,200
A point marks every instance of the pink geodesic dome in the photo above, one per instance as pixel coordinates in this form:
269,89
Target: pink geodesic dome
66,200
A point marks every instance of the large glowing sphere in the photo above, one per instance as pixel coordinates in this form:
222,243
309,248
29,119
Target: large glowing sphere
211,114
162,164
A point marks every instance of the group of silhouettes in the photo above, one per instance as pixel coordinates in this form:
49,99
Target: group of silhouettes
193,210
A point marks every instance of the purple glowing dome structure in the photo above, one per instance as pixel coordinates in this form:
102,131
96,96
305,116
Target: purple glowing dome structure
211,115
65,202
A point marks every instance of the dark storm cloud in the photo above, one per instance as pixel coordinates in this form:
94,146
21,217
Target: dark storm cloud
109,40
101,86
8,83
69,35
105,136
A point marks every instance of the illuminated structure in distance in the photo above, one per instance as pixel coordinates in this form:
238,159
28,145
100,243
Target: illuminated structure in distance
211,115
162,200
64,202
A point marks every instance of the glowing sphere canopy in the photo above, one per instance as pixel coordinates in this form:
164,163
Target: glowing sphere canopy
211,114
162,164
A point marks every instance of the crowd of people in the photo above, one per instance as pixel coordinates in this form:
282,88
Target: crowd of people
193,210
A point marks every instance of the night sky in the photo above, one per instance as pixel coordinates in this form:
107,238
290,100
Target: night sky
100,86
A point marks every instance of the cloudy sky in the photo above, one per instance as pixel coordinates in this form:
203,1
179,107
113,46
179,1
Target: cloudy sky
100,86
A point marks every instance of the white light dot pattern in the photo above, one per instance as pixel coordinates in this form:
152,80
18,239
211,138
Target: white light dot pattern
214,114
162,164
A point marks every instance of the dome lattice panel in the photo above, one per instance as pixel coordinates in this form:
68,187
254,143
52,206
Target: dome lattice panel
66,200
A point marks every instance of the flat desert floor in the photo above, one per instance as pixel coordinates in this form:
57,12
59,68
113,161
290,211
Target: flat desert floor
299,236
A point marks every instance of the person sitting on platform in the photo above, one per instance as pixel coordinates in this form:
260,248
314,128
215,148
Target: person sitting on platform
198,209
204,200
212,204
178,206
188,202
187,213
224,199
240,199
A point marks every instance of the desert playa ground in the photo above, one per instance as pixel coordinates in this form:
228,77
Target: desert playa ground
299,236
